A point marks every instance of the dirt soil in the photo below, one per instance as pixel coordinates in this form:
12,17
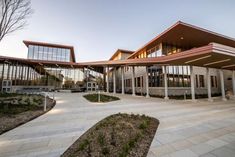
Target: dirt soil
118,135
11,121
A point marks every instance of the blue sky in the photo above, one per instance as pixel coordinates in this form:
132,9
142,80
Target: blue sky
96,28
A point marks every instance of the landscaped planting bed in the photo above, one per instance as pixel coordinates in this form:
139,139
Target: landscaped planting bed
103,98
17,109
118,135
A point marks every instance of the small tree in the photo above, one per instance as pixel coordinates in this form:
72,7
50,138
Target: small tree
13,15
100,82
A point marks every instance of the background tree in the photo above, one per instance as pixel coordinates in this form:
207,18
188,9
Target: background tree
100,82
13,16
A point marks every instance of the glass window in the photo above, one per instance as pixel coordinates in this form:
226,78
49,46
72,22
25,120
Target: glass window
35,52
30,52
40,49
40,53
59,54
213,81
138,82
54,57
159,53
64,54
1,69
67,55
45,53
201,81
197,81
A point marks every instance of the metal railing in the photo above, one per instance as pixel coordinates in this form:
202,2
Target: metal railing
47,94
36,92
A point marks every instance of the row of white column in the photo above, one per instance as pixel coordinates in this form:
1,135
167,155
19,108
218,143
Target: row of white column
208,77
192,77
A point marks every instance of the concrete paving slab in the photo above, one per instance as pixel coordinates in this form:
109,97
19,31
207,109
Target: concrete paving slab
205,129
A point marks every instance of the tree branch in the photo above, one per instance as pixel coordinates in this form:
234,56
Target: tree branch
13,16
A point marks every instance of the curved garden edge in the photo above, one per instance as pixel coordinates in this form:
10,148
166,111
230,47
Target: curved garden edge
11,122
118,135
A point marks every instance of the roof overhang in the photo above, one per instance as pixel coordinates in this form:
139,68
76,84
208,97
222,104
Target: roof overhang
213,56
188,36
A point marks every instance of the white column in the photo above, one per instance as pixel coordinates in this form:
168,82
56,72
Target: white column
107,81
233,79
147,83
222,84
133,80
192,83
114,80
165,83
208,76
123,88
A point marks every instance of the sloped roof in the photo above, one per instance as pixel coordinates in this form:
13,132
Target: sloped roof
187,35
121,51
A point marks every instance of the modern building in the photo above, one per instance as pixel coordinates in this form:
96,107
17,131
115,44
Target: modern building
40,70
182,60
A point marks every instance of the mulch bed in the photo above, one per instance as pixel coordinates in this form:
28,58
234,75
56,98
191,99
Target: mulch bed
118,135
11,121
103,98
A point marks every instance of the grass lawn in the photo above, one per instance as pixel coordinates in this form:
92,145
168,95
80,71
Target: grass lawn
17,109
118,135
103,98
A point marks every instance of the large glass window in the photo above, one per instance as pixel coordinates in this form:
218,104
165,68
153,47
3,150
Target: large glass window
178,76
155,77
48,53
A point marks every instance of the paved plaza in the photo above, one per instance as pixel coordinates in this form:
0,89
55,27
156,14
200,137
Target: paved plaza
187,129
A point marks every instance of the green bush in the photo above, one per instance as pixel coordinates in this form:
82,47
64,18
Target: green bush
143,125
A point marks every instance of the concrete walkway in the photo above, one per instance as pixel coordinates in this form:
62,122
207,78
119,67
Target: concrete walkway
205,129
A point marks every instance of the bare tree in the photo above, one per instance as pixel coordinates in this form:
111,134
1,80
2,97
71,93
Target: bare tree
13,15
